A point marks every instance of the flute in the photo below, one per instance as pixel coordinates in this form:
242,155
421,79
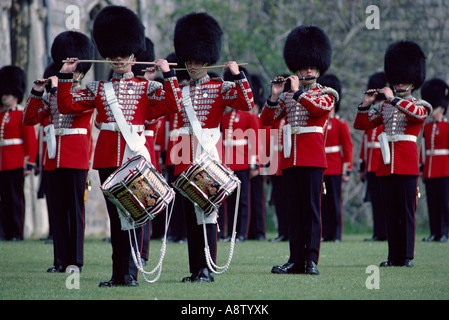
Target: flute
110,61
212,67
285,80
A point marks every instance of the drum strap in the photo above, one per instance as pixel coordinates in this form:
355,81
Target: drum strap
207,138
135,143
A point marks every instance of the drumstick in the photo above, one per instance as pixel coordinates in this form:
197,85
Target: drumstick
109,61
212,67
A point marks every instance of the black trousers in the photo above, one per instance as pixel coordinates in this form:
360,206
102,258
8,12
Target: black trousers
122,260
177,229
195,238
12,203
257,225
243,209
437,193
379,217
331,214
399,196
65,199
279,200
303,187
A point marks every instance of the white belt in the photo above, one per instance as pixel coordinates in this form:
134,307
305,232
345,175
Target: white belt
149,133
113,126
234,143
185,130
67,131
437,152
10,142
301,130
373,145
332,149
401,137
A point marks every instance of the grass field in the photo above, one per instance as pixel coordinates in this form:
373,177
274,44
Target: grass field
342,266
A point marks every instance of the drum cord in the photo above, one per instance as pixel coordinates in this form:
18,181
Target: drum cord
209,260
136,254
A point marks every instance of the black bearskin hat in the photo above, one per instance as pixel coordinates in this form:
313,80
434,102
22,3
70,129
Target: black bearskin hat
12,81
147,55
118,32
72,44
307,46
258,90
332,81
436,92
377,81
198,38
405,62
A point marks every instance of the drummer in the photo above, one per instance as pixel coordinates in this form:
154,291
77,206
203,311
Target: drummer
139,100
197,43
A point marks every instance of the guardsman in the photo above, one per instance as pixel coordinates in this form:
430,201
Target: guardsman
369,158
18,150
339,156
197,43
119,36
307,53
435,151
69,144
402,117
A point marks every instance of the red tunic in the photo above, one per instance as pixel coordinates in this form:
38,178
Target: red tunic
339,147
72,150
209,99
370,149
436,149
240,137
18,142
400,117
304,109
140,100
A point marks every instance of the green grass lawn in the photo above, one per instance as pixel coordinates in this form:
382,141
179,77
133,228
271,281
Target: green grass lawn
342,269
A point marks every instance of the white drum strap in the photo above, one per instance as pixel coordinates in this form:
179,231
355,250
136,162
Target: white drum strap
136,253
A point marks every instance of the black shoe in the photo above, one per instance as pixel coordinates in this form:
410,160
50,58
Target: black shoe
429,239
110,283
288,268
130,281
279,239
442,239
56,269
204,275
397,263
311,268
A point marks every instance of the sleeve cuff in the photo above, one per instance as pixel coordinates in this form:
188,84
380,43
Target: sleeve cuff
239,76
360,108
65,77
395,101
297,94
169,74
37,93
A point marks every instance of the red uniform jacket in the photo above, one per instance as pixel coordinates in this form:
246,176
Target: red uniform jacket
209,99
276,147
338,147
399,117
308,108
172,125
140,100
72,150
435,149
18,142
370,149
240,139
150,136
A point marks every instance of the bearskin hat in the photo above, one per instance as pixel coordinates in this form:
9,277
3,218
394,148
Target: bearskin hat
307,46
436,92
147,55
332,81
377,81
198,38
12,81
72,44
118,32
405,62
258,90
